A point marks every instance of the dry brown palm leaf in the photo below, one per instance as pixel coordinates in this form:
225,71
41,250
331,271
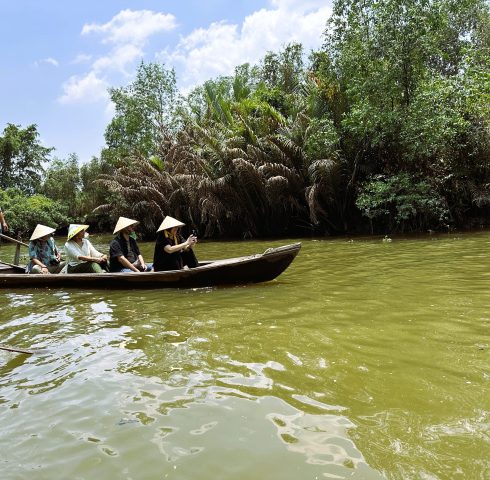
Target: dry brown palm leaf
275,154
290,149
147,209
154,194
235,153
109,183
249,179
268,170
314,205
277,185
322,170
257,154
105,208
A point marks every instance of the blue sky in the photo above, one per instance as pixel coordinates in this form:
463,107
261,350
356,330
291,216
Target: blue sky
58,58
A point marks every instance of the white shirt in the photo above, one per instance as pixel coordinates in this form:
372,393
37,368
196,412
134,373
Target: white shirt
73,250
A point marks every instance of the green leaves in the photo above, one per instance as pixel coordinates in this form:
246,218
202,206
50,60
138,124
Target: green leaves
414,95
402,202
25,212
145,114
22,158
391,117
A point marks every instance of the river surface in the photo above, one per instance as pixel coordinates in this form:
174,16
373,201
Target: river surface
364,360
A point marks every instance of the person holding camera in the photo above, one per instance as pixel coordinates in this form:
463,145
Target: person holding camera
44,256
171,251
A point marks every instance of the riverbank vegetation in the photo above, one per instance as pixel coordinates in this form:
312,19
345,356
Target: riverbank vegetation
386,128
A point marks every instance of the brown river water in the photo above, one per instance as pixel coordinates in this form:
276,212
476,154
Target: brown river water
364,360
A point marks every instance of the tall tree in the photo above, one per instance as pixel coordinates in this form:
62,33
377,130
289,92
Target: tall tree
410,76
145,114
62,183
92,192
22,158
382,52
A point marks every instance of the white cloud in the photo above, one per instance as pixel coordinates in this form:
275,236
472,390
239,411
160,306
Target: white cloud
48,61
299,5
127,32
82,58
216,50
109,111
204,53
87,88
133,27
118,59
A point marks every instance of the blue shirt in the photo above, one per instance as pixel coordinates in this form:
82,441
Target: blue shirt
45,252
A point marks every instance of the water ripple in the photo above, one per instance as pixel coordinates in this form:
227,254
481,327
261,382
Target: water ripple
364,360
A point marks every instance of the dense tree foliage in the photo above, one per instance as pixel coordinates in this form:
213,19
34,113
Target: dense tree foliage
67,192
385,128
415,87
248,159
402,201
145,114
77,187
62,183
21,158
24,212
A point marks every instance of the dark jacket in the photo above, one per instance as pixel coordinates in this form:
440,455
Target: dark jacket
163,261
166,261
119,247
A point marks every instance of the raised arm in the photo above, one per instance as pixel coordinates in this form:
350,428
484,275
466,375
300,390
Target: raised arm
181,246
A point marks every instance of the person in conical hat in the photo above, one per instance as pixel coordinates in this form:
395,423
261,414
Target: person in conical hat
124,253
171,251
169,223
81,255
75,229
43,253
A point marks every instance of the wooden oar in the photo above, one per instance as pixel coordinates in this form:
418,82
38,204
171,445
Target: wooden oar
15,349
13,240
18,267
17,246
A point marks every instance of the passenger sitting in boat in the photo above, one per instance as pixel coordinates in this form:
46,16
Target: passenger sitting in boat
81,255
124,253
171,252
44,256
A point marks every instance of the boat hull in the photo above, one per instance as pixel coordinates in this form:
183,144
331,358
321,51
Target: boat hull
242,270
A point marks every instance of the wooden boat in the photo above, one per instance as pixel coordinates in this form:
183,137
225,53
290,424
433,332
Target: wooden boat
231,271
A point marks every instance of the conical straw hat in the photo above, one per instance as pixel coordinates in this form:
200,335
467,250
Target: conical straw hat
124,222
41,231
169,222
73,229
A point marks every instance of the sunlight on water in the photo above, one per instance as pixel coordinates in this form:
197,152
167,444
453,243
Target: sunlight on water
364,360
